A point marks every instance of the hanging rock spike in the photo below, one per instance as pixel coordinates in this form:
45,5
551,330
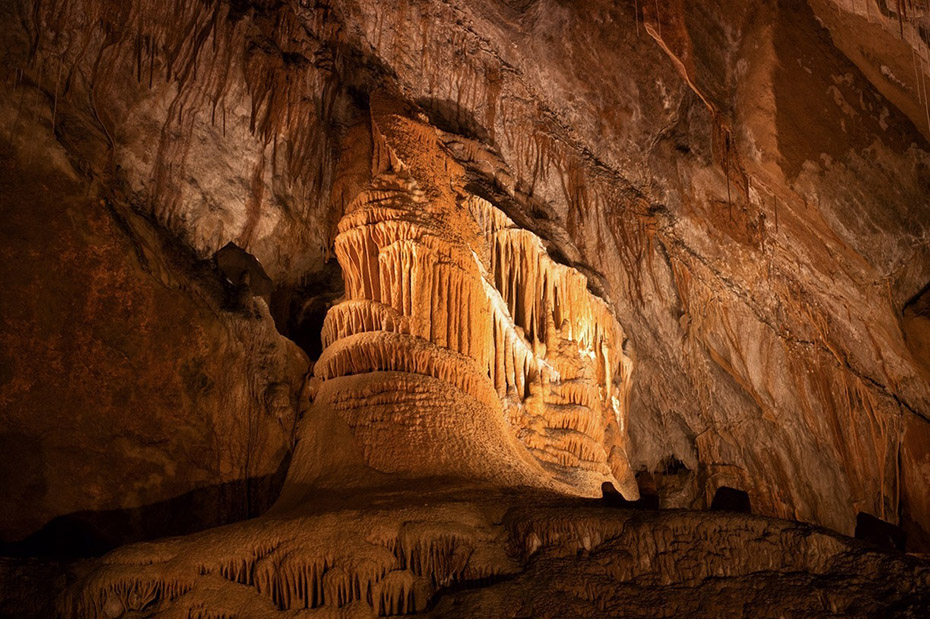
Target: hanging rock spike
445,296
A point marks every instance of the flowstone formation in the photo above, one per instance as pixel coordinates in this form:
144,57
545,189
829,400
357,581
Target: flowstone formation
742,184
480,552
754,206
461,348
461,352
468,384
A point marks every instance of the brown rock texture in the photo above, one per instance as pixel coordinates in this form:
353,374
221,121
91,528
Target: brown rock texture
129,393
475,553
461,348
729,199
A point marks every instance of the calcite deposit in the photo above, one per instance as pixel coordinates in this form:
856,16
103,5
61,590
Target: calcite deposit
440,271
461,348
477,552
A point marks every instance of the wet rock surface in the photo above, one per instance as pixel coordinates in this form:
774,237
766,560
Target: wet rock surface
742,185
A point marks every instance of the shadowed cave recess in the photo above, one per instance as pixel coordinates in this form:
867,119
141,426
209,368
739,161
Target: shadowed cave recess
464,308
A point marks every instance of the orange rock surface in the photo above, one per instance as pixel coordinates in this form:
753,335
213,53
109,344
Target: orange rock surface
517,249
461,348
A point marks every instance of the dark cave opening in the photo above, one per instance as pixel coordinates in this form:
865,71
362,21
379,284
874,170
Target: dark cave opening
299,310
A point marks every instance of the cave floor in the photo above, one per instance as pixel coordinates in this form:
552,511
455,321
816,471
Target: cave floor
446,550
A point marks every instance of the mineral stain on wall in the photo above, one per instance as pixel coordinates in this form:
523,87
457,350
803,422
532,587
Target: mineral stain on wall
436,272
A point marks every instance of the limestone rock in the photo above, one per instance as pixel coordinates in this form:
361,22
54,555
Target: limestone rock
579,240
443,286
474,552
128,395
730,197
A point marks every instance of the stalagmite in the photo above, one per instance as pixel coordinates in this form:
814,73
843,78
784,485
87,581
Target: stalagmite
446,296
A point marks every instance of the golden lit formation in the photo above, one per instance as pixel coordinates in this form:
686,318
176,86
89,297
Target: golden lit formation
524,309
461,347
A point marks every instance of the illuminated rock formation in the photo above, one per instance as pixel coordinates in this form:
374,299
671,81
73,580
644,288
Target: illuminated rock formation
461,347
752,206
741,186
477,553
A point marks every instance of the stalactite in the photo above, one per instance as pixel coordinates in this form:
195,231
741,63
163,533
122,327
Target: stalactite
203,54
19,109
917,81
476,302
636,15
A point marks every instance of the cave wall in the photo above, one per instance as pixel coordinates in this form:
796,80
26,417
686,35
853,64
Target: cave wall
753,206
140,395
131,394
